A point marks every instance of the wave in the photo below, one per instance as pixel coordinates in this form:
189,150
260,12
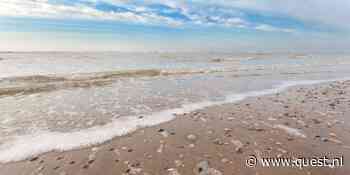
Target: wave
23,147
45,83
40,83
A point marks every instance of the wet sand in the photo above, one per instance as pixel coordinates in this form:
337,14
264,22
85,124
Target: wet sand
304,121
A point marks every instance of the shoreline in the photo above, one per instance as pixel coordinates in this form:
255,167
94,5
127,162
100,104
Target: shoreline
43,142
224,135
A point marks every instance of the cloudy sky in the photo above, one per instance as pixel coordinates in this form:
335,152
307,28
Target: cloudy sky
175,25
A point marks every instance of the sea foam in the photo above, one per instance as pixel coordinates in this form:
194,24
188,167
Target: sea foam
23,147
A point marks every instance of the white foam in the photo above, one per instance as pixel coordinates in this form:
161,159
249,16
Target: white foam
23,147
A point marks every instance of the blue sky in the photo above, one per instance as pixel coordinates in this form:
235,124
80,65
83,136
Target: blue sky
175,25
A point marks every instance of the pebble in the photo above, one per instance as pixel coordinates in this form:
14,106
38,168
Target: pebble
165,133
332,134
173,171
227,130
224,160
202,168
316,121
210,132
335,141
191,145
218,142
179,163
92,156
281,150
230,118
191,137
160,149
133,170
34,159
94,149
239,145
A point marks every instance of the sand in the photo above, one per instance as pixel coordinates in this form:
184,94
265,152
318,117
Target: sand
304,121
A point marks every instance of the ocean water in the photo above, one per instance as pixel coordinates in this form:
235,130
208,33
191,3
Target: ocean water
61,101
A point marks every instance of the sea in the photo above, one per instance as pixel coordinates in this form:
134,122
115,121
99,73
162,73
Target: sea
59,101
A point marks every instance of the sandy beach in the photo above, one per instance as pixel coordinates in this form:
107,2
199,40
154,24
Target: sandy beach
302,122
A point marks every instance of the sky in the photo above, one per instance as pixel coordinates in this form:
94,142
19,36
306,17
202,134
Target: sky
175,25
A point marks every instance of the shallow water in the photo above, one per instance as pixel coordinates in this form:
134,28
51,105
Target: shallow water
85,101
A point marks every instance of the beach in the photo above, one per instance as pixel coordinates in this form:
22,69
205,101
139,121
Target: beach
174,87
301,122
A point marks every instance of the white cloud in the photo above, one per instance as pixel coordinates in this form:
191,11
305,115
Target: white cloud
219,12
269,28
328,12
43,9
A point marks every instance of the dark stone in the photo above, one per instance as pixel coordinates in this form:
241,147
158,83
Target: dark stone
34,159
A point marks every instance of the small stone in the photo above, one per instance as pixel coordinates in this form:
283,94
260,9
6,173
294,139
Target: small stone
290,138
323,139
165,134
202,168
282,150
191,137
335,141
40,168
218,142
94,149
178,163
332,134
316,121
173,171
191,145
92,156
224,160
34,159
239,145
227,130
133,170
160,149
230,118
